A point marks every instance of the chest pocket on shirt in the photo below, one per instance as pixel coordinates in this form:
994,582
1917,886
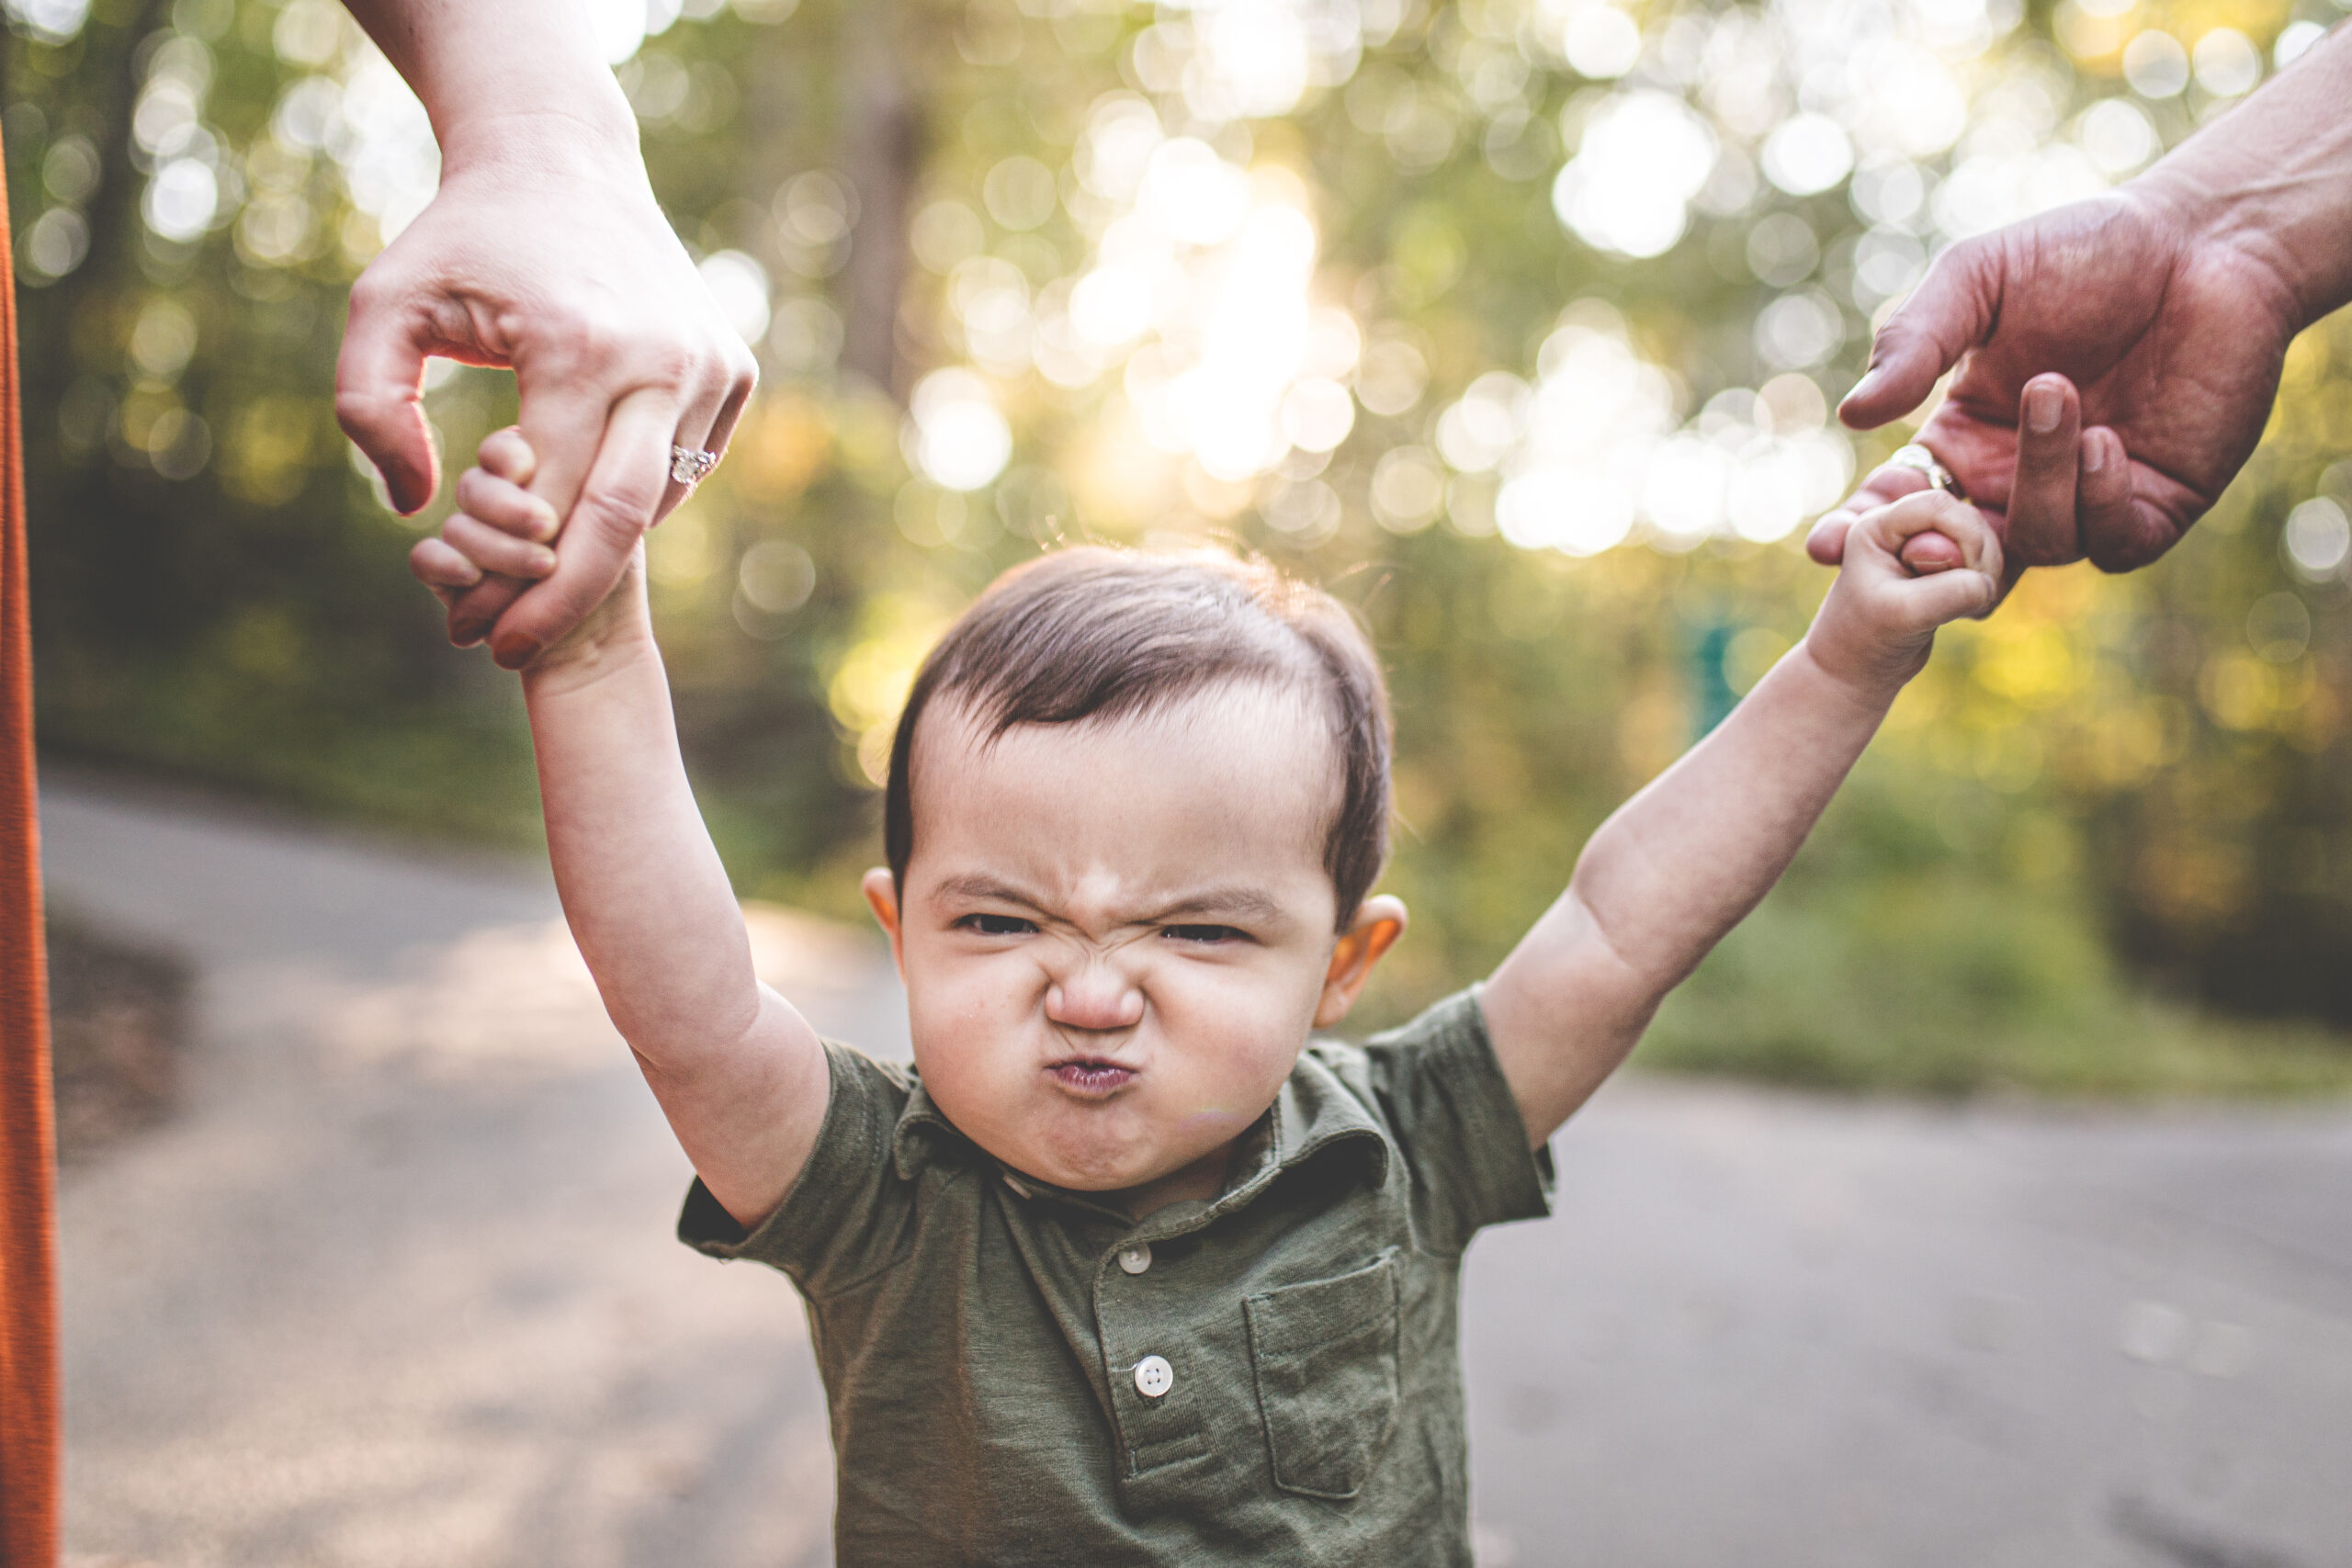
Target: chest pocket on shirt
1325,1355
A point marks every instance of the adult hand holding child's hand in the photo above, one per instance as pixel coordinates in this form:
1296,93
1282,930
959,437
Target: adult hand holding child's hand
499,529
544,252
2116,364
2117,357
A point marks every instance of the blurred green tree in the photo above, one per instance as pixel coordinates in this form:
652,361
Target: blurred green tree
1516,322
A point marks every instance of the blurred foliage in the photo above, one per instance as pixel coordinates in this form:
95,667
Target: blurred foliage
1515,321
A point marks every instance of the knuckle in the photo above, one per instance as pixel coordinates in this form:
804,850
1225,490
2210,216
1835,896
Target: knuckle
614,513
575,341
669,363
371,291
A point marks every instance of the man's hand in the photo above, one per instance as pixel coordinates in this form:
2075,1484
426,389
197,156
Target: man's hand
2116,371
545,251
2118,356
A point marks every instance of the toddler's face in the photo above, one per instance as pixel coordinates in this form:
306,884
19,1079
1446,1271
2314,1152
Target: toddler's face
1116,935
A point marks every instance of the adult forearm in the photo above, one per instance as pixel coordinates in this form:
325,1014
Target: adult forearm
2273,177
475,63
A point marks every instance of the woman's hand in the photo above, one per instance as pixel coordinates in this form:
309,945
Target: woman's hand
544,252
552,260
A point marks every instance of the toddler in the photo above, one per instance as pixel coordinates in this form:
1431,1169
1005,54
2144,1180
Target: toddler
1132,1266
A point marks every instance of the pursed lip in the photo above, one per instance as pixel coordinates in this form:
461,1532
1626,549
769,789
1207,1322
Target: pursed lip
1090,1078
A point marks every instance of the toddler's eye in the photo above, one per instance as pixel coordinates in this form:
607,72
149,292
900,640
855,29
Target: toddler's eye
1205,933
997,925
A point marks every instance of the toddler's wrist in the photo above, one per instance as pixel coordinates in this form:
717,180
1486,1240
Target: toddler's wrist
614,636
1871,671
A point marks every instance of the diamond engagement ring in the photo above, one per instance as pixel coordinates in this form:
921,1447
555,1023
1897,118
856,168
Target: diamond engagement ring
1915,456
690,467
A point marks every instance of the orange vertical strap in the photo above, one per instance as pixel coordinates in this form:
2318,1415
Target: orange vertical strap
30,1450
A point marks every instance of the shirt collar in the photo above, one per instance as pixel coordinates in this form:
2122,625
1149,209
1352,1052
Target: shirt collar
1313,1114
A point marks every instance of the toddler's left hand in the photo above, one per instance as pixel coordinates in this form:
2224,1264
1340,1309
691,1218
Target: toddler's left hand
1879,622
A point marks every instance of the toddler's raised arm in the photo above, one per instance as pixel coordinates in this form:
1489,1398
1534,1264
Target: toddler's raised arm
740,1074
1684,860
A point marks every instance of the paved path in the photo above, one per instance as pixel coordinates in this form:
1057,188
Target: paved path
396,1287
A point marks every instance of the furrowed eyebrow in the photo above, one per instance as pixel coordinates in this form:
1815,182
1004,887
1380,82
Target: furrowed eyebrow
1239,903
1233,903
957,887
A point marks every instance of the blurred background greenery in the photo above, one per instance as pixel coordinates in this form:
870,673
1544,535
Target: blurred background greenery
1516,322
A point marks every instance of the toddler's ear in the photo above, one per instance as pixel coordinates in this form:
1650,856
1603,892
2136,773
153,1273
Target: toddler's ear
1373,932
881,890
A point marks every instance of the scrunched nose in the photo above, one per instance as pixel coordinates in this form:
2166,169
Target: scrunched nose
1094,996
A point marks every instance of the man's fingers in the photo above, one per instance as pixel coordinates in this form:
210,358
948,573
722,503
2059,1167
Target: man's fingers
379,394
615,506
2042,530
1826,543
1949,313
2103,486
2130,516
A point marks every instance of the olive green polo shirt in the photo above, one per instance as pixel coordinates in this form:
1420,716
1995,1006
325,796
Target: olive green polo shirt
1021,1375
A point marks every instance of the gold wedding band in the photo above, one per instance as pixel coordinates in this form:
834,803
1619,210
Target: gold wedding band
1915,456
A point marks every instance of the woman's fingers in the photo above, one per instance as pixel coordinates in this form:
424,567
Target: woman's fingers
565,412
378,378
495,550
708,423
2042,529
616,503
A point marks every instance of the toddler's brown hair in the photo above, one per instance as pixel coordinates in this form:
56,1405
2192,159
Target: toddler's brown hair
1092,631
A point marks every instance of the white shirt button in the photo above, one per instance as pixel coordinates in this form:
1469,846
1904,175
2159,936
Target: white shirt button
1137,1258
1154,1376
1016,1184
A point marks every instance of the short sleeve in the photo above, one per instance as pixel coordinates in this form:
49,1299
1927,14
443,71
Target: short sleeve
846,1214
1457,1124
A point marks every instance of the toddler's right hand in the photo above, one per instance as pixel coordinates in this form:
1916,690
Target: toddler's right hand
499,526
